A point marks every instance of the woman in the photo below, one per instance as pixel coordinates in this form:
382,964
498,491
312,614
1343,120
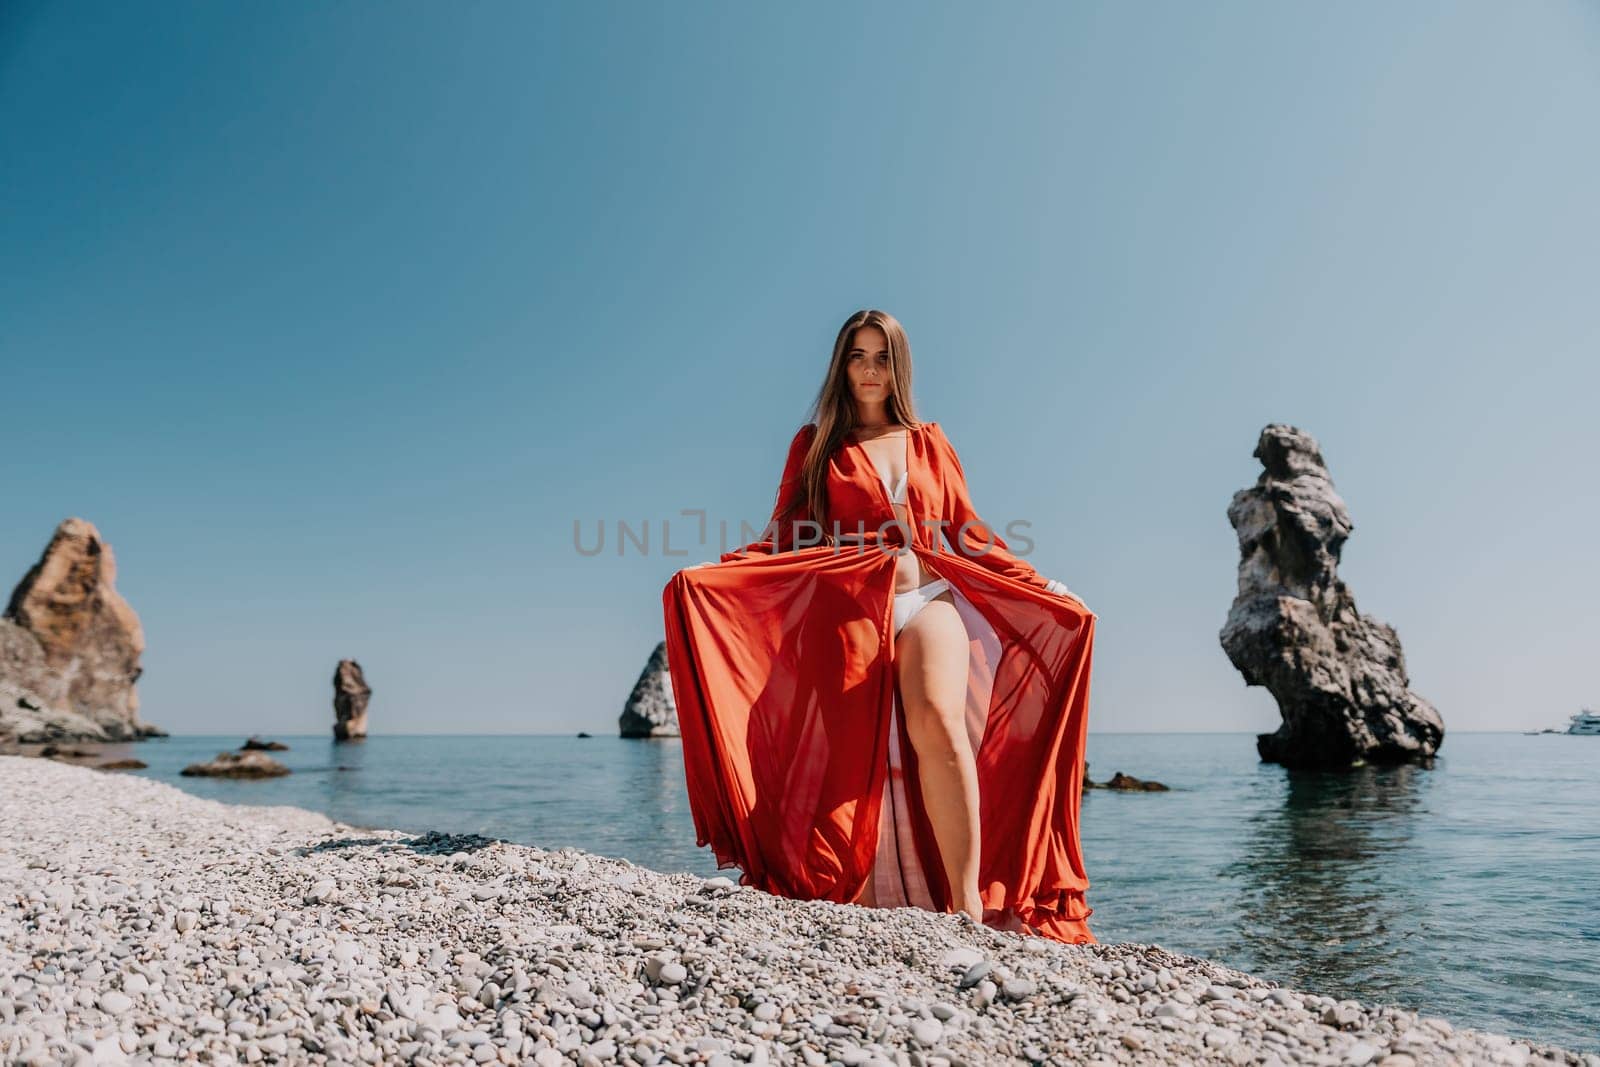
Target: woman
867,717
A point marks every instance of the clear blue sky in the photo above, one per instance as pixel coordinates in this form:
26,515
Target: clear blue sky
334,317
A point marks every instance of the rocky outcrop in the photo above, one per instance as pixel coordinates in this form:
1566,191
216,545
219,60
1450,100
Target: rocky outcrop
70,647
651,711
252,764
255,744
1339,676
350,696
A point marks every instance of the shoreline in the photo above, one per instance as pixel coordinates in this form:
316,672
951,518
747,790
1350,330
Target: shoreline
144,924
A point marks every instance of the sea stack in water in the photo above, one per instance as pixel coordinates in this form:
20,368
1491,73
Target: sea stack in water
651,711
1339,676
70,647
350,696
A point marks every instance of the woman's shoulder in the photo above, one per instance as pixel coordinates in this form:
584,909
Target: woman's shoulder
802,437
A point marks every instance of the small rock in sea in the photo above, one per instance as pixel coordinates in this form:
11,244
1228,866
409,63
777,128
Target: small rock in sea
1129,783
122,765
256,744
237,765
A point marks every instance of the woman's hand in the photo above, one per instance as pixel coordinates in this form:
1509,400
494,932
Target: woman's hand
1060,588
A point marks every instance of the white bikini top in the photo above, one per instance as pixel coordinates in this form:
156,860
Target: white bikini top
897,494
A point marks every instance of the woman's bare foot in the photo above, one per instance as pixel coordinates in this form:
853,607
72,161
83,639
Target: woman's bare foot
966,901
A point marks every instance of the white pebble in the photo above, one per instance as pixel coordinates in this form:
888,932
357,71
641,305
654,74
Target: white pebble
115,1003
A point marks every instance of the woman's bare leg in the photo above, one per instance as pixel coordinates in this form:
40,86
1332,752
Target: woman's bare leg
931,655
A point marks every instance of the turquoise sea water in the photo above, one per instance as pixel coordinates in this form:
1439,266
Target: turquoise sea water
1469,890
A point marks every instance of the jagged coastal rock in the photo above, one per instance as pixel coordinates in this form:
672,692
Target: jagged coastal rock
251,764
70,647
1339,676
1125,782
651,711
350,696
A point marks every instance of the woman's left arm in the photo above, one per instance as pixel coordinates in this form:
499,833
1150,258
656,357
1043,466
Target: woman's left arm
970,536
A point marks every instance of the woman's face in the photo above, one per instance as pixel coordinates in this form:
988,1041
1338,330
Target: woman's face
867,364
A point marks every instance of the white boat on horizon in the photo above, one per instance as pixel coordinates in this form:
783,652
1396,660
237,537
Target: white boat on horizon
1585,722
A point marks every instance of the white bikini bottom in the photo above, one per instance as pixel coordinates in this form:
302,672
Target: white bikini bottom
907,604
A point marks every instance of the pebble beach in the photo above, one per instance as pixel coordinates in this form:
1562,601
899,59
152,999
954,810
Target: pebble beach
140,924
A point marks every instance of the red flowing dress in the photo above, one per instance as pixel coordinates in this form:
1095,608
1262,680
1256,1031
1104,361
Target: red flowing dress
800,771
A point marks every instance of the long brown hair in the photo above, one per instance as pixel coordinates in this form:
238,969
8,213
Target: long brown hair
834,410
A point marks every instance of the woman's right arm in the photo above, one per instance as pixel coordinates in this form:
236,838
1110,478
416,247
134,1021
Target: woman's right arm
779,534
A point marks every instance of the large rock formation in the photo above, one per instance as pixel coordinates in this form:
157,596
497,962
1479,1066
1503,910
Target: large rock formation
70,647
651,711
350,696
1339,676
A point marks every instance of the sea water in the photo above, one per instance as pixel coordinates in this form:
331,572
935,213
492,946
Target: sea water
1470,889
